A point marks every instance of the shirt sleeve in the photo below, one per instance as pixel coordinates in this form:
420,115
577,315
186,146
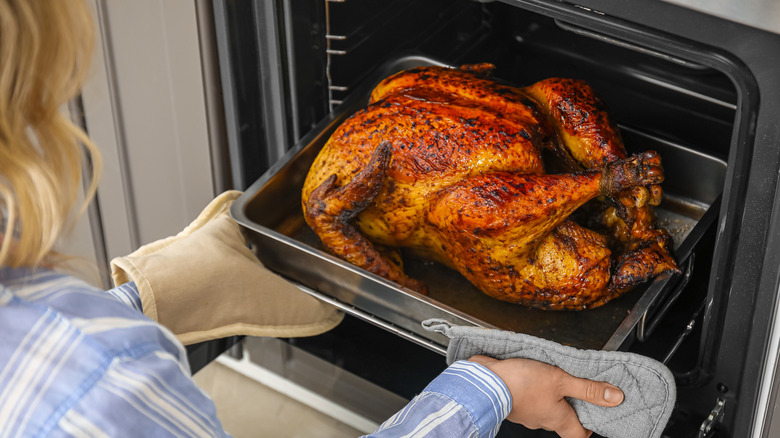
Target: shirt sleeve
75,361
128,295
465,400
147,395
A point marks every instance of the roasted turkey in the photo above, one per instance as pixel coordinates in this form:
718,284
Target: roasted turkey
491,180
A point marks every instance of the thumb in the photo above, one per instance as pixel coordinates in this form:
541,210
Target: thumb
591,391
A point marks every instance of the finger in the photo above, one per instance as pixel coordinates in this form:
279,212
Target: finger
591,391
569,425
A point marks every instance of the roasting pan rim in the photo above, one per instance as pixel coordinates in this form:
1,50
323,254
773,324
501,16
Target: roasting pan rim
348,290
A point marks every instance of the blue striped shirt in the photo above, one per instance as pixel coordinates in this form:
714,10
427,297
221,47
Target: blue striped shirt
78,361
465,400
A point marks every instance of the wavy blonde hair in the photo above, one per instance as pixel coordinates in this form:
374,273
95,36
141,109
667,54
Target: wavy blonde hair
45,51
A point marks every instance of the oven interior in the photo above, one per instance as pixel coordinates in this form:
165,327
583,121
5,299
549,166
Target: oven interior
648,82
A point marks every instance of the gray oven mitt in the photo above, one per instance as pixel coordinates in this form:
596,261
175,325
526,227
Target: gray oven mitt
647,384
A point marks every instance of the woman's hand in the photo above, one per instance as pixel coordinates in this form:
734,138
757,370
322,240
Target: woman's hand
538,392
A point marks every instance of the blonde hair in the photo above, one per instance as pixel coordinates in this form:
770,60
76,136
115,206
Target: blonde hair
45,51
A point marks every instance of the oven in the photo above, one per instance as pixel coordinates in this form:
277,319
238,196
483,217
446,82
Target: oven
702,90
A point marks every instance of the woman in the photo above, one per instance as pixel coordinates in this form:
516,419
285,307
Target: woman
78,361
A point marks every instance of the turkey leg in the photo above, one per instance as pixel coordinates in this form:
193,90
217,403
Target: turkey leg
514,242
330,211
588,136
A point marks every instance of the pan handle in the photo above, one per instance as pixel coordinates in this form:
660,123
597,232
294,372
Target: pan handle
650,319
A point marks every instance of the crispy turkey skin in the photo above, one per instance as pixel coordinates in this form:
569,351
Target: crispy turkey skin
449,164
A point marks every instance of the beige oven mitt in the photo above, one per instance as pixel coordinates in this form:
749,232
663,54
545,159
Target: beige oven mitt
204,283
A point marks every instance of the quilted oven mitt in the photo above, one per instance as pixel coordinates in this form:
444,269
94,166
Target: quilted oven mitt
204,283
648,385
